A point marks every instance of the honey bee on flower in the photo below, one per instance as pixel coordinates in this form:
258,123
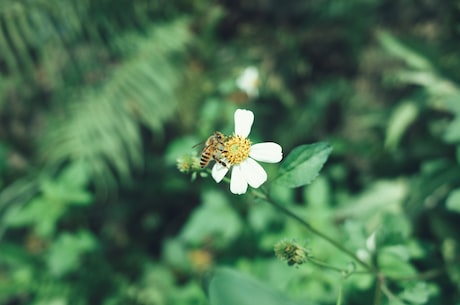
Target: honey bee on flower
241,155
213,149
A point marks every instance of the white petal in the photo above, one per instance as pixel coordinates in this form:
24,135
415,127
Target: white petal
218,172
266,152
253,173
238,184
248,81
243,122
252,92
249,75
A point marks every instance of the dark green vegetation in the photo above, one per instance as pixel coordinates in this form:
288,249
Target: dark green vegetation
98,99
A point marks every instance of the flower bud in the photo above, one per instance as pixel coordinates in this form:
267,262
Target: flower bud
291,252
188,163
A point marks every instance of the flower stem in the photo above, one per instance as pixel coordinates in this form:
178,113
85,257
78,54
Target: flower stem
264,195
339,298
324,265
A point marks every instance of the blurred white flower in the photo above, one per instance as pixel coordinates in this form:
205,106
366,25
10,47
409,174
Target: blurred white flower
365,254
371,242
249,81
241,154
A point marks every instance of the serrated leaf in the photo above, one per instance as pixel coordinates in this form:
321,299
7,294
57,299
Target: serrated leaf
453,201
303,164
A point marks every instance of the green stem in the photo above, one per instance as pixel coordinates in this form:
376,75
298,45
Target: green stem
264,196
421,276
334,268
384,288
340,296
324,265
378,292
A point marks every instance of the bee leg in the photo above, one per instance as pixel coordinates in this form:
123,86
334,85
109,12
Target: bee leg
221,162
224,164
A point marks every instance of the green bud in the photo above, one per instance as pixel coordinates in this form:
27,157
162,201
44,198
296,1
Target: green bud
291,252
188,163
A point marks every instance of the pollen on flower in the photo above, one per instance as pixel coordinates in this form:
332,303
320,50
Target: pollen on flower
237,149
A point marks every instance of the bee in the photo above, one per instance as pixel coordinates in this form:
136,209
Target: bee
213,149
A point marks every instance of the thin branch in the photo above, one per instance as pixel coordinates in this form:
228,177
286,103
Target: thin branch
263,195
421,276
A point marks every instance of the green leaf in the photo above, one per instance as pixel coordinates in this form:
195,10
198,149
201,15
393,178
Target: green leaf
458,154
39,212
100,126
399,122
393,263
396,302
453,201
394,231
57,191
452,133
76,174
180,147
303,164
214,220
176,254
228,287
383,195
64,254
402,51
416,293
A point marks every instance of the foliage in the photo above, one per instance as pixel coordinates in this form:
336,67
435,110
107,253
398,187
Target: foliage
102,127
303,164
229,287
98,99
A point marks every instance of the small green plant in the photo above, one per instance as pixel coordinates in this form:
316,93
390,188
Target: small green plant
381,257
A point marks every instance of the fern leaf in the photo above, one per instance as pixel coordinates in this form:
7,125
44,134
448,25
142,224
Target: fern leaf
102,127
8,54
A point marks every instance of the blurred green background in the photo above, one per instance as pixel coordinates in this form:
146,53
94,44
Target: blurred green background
99,98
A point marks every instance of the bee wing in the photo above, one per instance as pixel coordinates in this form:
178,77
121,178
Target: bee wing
199,144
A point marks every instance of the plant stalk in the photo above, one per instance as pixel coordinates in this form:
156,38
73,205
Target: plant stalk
263,195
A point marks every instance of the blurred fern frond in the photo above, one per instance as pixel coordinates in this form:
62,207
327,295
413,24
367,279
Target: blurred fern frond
101,126
43,42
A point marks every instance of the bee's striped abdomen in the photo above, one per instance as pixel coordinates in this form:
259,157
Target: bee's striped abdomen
214,148
205,158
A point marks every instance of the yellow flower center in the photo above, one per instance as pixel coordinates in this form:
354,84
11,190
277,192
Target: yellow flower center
237,149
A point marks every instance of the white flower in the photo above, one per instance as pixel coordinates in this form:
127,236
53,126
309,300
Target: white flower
248,81
241,154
